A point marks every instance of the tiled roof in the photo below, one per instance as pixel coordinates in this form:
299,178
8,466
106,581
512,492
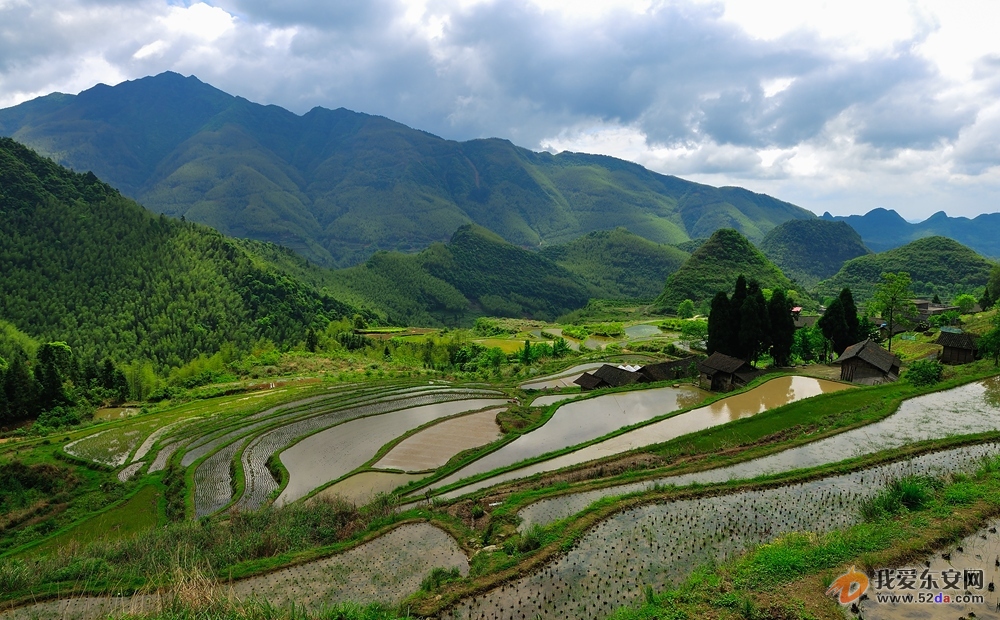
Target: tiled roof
720,362
614,376
869,351
958,341
588,381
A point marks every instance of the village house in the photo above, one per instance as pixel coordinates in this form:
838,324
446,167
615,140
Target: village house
617,376
958,348
722,373
868,363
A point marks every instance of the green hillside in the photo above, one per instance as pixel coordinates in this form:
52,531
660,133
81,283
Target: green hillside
937,265
475,273
81,263
617,263
715,266
812,250
336,186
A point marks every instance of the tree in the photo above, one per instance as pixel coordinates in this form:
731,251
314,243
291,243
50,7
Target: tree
989,343
21,390
720,324
993,284
560,347
526,353
52,372
850,316
694,330
965,303
936,299
754,325
312,340
779,311
894,300
834,326
739,294
686,309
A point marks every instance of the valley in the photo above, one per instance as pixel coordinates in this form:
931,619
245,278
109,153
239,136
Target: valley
554,386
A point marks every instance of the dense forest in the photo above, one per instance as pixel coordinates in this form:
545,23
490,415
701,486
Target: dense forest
937,266
812,250
715,266
618,263
82,264
476,273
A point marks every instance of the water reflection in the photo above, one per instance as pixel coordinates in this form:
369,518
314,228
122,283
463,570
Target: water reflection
573,417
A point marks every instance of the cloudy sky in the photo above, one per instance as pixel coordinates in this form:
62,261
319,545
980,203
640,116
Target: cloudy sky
841,106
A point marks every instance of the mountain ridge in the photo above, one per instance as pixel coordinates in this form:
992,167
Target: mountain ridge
337,185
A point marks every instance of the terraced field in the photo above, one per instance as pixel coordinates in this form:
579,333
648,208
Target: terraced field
663,543
965,410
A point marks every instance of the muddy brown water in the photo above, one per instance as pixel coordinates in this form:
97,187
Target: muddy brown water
772,394
361,488
335,452
582,421
433,447
967,409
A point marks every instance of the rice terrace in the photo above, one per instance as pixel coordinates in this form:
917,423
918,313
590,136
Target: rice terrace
408,315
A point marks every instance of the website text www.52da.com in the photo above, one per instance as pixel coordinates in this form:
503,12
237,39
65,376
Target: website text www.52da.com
911,585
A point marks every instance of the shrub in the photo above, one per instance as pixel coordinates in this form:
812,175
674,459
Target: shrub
907,493
438,577
924,372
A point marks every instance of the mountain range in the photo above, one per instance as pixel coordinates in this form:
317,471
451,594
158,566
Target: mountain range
336,186
885,229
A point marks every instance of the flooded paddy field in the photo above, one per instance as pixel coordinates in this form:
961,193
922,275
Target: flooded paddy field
335,452
978,551
260,483
386,570
661,544
967,409
769,395
361,488
551,399
433,447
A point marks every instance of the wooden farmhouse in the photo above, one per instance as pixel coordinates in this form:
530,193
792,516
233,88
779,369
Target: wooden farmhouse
722,373
868,363
958,348
617,376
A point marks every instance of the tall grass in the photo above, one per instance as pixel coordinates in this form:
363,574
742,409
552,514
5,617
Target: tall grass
905,494
207,545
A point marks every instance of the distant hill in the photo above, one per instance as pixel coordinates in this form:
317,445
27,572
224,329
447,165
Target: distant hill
883,229
715,266
937,265
81,263
812,250
337,186
617,263
475,273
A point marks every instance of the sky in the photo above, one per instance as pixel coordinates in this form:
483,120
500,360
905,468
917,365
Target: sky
838,106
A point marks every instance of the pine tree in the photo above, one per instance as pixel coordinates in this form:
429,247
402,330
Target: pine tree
754,326
779,310
834,326
850,316
720,325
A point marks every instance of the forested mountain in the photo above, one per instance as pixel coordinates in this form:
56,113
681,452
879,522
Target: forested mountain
715,266
812,250
937,265
475,273
617,263
336,186
82,264
883,229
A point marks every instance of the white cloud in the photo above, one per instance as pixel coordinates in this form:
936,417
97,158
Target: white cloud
834,105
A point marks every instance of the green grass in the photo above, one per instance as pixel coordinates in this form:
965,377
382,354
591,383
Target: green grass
139,513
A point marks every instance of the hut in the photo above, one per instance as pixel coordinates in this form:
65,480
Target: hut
958,348
667,371
722,373
609,376
868,363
